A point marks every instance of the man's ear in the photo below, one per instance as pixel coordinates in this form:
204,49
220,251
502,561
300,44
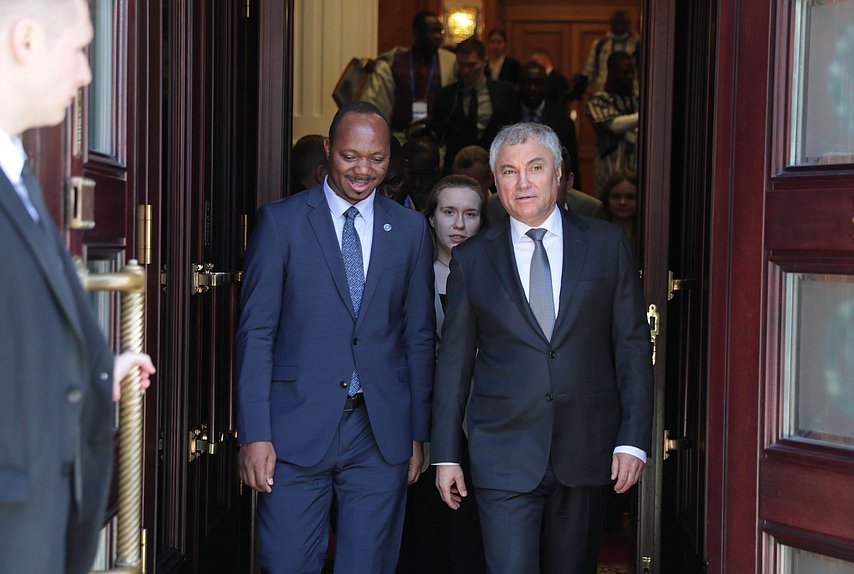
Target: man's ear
319,173
326,147
24,36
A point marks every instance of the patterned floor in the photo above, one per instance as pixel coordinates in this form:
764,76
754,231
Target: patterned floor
613,569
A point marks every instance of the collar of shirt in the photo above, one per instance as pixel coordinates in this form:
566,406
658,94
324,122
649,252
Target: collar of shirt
12,157
536,112
523,251
364,225
495,67
553,226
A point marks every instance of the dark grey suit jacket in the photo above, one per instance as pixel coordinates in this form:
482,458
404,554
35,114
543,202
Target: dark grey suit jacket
459,134
56,433
529,401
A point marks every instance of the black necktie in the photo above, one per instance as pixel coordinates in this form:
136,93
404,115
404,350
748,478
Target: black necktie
472,113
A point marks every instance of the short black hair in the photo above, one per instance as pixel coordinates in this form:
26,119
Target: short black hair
472,45
532,66
420,18
567,160
357,107
306,155
499,31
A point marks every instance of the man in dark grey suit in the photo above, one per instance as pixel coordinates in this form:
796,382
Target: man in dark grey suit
57,374
472,110
551,370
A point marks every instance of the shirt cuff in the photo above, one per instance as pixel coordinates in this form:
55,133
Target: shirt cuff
444,463
636,452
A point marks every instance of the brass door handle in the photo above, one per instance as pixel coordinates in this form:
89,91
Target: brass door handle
130,538
674,444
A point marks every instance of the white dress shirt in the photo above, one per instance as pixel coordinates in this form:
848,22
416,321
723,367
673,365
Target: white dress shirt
364,222
523,249
12,161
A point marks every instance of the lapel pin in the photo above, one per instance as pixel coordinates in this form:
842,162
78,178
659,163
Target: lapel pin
387,227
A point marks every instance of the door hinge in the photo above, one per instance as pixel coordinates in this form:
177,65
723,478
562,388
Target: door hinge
200,442
653,320
204,277
247,4
674,285
143,547
672,444
143,233
77,125
646,564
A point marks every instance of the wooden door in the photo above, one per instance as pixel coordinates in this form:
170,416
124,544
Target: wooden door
227,108
683,480
780,434
676,134
210,125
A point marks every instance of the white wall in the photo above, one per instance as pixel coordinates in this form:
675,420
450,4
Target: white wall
327,34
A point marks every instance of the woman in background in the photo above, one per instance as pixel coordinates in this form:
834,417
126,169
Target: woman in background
436,538
620,197
500,66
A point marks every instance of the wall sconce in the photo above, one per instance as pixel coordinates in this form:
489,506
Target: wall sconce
461,23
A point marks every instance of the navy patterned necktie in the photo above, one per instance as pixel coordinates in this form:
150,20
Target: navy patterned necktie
540,293
351,249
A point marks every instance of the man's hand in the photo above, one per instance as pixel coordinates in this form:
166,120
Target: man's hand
626,469
256,463
123,365
415,463
451,484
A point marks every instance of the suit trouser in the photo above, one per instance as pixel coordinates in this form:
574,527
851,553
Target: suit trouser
293,520
552,529
32,531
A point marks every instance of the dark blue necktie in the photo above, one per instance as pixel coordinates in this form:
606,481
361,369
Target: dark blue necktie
351,249
540,293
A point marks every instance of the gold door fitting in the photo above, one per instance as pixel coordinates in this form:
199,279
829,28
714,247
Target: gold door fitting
653,320
143,234
205,278
80,203
673,444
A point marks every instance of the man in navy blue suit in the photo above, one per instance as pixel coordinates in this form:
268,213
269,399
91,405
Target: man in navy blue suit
335,359
551,372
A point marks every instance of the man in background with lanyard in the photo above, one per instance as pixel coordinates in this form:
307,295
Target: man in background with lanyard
405,81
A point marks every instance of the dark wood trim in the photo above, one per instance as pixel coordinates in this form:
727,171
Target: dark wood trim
797,538
654,162
145,90
720,288
275,98
821,225
744,374
178,155
813,499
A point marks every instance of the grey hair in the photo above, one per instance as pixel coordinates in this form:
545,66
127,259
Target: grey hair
520,133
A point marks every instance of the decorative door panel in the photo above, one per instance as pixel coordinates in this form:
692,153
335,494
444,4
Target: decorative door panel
789,402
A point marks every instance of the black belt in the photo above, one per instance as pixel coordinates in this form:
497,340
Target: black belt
354,402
